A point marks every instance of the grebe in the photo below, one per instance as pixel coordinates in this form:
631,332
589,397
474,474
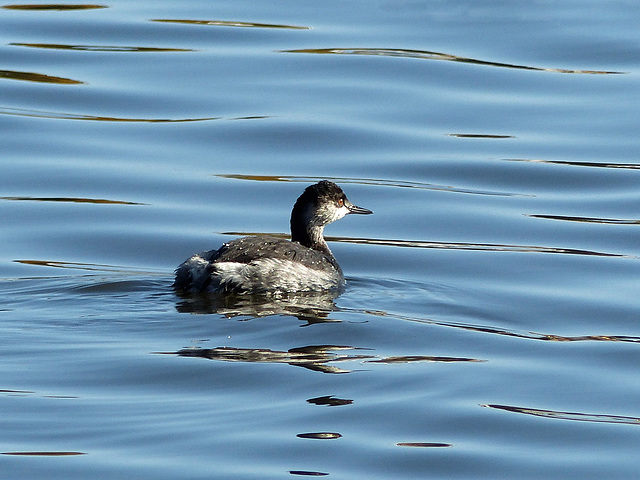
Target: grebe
263,264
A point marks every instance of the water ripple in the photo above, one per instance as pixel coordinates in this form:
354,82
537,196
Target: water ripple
71,200
99,48
428,55
490,247
228,23
423,358
576,416
549,337
493,247
631,166
53,6
330,401
424,444
23,112
308,473
44,454
479,135
37,77
569,218
320,435
371,181
91,267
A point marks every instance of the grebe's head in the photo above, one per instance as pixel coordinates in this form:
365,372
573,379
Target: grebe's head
321,204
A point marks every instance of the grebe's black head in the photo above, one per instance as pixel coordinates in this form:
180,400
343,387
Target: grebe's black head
319,205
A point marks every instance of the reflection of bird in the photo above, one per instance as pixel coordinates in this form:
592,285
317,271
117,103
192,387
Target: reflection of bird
310,307
260,264
313,357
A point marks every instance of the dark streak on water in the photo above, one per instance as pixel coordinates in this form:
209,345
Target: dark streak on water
426,55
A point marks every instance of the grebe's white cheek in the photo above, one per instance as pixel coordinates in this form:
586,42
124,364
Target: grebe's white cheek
340,213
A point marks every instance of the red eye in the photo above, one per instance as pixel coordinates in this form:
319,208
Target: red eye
341,202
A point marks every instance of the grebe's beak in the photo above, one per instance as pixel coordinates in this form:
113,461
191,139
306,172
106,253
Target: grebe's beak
355,209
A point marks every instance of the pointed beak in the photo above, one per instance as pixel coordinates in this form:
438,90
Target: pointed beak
355,209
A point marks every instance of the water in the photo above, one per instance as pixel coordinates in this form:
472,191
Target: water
489,326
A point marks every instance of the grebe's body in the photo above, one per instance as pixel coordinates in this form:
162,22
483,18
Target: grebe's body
261,264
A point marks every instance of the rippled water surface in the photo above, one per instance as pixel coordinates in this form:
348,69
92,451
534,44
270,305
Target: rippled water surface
490,324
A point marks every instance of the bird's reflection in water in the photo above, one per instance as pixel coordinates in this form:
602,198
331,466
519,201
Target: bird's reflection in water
311,307
313,357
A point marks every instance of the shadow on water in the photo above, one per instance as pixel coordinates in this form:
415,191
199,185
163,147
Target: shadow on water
428,55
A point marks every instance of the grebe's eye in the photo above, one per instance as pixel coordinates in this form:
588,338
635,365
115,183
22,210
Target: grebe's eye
341,202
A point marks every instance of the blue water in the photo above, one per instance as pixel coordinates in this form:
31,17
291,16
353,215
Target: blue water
489,328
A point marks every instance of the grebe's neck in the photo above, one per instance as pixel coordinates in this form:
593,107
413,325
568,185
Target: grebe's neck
310,237
306,229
